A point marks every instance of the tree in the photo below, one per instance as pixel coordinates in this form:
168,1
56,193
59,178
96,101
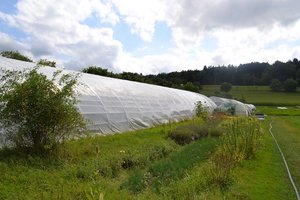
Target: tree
276,85
46,62
191,87
37,113
15,55
290,85
225,87
97,71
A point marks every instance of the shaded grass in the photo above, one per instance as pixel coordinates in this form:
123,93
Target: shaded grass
258,95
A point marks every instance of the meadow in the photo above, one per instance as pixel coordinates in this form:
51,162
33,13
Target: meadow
146,164
149,164
258,95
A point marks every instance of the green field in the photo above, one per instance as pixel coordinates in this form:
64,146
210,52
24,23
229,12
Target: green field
258,95
146,164
113,167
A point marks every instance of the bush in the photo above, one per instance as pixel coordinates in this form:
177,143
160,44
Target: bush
290,85
46,62
225,87
276,85
219,169
241,138
201,111
187,133
193,87
15,55
240,141
36,113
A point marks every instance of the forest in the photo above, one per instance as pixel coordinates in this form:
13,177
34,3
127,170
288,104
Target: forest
254,73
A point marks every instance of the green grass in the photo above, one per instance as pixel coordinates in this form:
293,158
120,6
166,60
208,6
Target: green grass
274,111
258,95
155,166
287,131
264,177
172,168
88,164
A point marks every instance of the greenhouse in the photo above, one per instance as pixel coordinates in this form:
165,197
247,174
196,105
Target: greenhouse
113,105
232,106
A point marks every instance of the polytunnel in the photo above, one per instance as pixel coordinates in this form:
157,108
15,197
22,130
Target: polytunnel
113,105
232,106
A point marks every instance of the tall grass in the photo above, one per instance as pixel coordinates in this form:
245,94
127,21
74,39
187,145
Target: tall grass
240,141
241,138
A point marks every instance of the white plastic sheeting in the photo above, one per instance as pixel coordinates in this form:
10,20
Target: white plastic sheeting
232,106
113,105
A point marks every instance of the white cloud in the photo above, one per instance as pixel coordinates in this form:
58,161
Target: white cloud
57,28
141,15
243,30
8,43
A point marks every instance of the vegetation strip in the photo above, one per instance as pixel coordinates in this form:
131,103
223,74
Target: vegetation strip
285,163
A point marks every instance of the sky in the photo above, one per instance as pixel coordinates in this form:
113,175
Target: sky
151,36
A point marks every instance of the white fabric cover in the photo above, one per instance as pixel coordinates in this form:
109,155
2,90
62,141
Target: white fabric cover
232,106
113,105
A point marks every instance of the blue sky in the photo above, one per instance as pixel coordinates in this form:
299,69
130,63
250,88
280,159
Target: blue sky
151,36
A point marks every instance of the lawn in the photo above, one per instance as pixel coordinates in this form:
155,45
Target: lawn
258,95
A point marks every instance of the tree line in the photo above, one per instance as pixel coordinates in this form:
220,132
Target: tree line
254,73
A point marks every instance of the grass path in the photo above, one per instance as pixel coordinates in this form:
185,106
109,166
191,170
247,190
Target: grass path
265,176
287,132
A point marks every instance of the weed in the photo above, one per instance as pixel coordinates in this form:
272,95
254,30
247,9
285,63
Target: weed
240,141
219,168
241,138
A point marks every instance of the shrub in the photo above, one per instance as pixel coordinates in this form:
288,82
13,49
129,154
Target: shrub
46,62
241,138
187,133
15,55
290,85
276,85
219,168
36,113
97,71
193,87
201,111
225,87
